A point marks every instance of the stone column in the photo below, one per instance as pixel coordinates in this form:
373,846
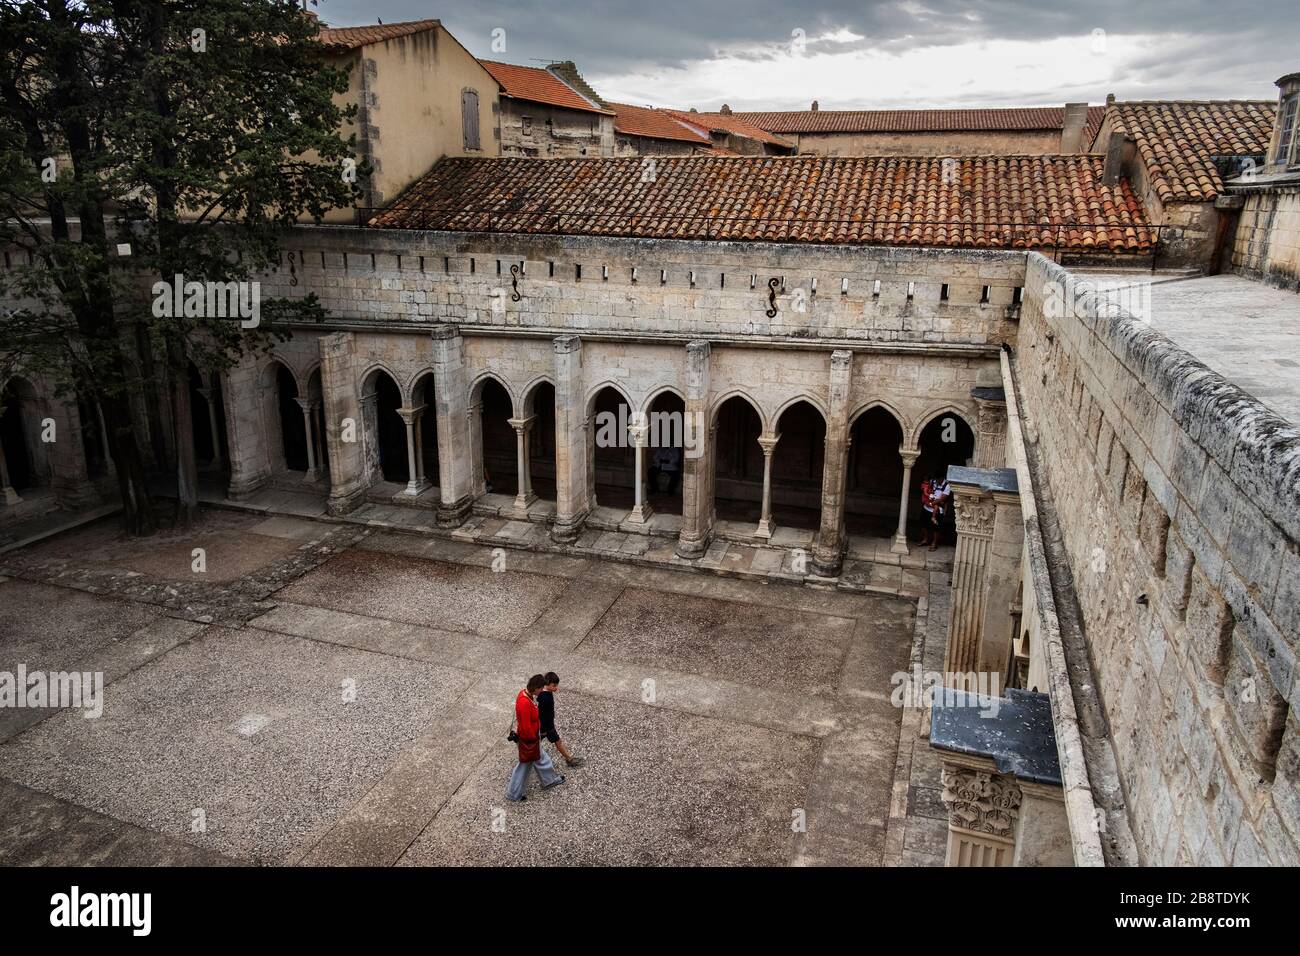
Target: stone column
344,422
639,431
991,442
451,400
909,456
571,501
975,518
982,811
414,483
828,548
768,444
110,465
524,496
10,496
419,446
986,570
308,419
246,435
697,455
211,404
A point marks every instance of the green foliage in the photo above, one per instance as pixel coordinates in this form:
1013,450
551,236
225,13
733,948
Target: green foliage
194,132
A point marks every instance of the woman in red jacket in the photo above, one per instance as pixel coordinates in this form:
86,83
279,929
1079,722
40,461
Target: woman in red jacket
529,738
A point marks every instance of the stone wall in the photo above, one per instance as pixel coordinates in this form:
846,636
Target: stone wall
951,143
1267,244
550,132
1179,501
922,297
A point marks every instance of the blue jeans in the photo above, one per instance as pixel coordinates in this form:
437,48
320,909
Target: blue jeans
546,773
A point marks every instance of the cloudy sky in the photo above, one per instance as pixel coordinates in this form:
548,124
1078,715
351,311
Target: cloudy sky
782,54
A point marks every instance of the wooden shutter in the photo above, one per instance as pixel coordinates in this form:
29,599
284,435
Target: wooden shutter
469,118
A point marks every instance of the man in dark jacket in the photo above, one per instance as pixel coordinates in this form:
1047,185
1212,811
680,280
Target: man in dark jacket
546,713
527,736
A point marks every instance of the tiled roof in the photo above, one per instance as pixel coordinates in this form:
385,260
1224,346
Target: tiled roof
914,121
981,201
729,123
351,38
1178,140
654,124
536,85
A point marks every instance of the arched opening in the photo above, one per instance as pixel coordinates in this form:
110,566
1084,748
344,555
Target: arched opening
611,457
738,462
666,456
293,430
202,418
797,464
500,453
386,458
875,474
92,437
541,440
426,433
16,437
945,440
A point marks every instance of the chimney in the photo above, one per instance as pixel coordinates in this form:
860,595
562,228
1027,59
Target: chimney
815,107
1110,99
1114,159
567,73
726,110
1072,126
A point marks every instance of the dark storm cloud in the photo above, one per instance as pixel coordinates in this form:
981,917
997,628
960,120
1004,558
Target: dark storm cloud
610,38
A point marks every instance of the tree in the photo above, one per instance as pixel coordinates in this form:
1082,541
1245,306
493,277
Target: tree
211,127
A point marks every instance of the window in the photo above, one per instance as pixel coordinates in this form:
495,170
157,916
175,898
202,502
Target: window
469,118
528,125
1286,140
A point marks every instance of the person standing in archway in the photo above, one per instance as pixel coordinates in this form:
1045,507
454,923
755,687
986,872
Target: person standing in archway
935,496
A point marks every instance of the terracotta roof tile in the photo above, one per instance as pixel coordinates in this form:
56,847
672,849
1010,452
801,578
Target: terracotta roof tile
912,121
991,202
351,38
1177,140
537,85
653,124
729,123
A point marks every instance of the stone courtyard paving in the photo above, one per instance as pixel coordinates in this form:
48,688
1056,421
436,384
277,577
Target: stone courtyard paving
344,699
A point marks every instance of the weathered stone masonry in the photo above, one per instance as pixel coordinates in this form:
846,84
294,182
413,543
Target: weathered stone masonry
1179,502
914,332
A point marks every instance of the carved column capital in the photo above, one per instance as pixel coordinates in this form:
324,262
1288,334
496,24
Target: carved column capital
975,515
981,802
768,443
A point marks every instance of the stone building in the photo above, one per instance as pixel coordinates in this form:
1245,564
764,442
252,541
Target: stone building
1177,154
551,112
1266,243
932,132
646,131
420,96
732,135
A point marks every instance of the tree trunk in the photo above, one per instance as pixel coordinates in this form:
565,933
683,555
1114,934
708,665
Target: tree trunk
137,511
187,469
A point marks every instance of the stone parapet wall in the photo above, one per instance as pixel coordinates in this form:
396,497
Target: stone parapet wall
1179,501
689,289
